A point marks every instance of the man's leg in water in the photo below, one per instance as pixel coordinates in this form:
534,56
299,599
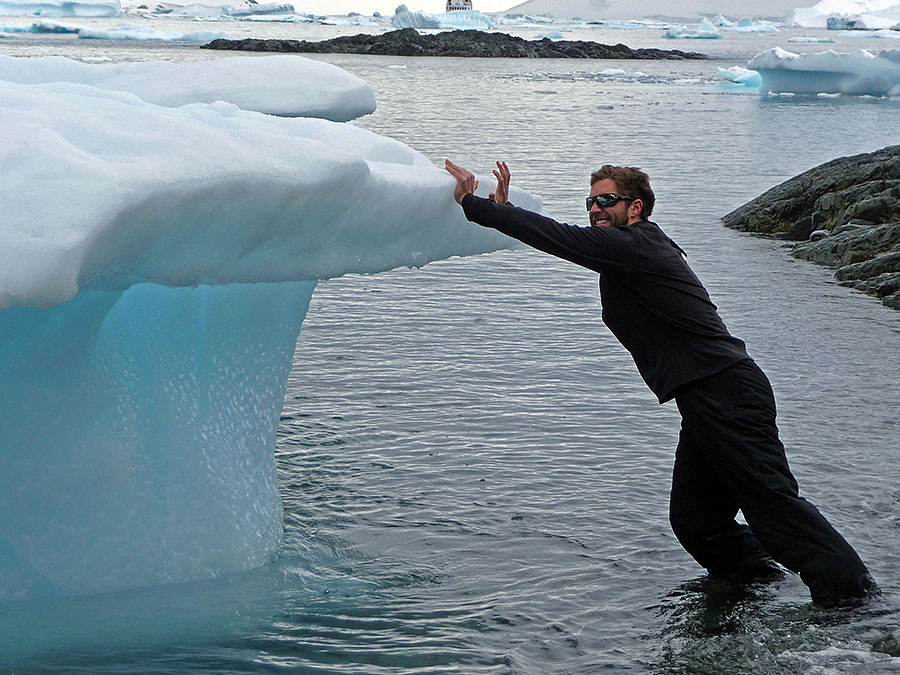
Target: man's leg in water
702,514
731,417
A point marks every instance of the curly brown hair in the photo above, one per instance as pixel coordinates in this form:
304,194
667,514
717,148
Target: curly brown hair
630,181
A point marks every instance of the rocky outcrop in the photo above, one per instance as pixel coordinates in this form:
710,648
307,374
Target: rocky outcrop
466,43
845,214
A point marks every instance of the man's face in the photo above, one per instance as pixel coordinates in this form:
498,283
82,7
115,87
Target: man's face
618,215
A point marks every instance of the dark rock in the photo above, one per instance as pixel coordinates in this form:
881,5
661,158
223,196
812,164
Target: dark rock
882,264
888,644
852,244
459,43
845,214
777,210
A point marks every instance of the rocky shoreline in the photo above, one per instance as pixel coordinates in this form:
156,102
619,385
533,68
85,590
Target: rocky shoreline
457,43
844,214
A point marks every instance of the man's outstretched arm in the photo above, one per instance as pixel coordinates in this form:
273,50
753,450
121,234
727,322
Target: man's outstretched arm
590,247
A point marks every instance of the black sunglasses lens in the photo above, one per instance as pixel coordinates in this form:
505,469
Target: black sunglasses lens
602,201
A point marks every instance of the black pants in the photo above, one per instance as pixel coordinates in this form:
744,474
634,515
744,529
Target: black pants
729,458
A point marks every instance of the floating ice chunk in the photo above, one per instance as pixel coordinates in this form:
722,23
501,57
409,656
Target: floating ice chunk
810,39
858,73
155,268
738,75
244,10
860,22
247,8
466,19
461,19
551,35
870,12
748,25
281,84
60,8
350,20
705,30
721,21
139,31
405,18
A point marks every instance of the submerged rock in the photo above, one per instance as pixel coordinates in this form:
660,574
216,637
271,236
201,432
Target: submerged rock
459,43
845,214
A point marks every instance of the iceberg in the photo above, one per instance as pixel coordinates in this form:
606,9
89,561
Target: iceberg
864,14
742,76
748,25
86,8
705,30
465,19
857,73
138,31
156,268
282,84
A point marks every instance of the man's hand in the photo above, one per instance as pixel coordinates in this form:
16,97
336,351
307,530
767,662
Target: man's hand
465,180
501,193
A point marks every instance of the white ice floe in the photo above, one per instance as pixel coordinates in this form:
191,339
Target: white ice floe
738,75
155,268
84,8
748,25
705,30
460,19
801,38
212,11
140,31
857,73
278,84
867,14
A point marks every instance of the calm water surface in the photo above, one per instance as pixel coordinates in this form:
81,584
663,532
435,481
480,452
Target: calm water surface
475,479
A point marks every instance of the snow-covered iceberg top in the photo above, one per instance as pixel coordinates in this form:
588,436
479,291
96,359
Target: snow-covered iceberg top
108,188
60,8
870,14
282,84
461,19
858,73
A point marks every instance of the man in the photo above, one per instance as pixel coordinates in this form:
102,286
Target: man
729,457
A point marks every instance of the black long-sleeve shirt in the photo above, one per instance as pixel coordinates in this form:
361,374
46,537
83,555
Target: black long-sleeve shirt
652,301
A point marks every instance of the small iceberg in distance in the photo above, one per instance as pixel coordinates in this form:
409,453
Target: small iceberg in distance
466,19
859,73
705,30
84,8
852,14
155,270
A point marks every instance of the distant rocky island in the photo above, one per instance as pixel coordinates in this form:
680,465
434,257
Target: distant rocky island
845,214
458,43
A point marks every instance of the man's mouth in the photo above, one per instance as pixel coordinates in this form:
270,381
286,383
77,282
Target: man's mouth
600,222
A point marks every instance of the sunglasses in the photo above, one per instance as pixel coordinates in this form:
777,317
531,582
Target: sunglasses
606,200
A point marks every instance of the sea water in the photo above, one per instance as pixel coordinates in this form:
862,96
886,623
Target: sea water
474,477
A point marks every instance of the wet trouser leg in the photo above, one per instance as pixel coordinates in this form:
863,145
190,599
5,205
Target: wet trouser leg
729,457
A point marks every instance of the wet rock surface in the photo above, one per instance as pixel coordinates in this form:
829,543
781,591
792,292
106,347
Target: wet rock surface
844,214
458,43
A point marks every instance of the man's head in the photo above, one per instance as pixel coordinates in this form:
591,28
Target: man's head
630,183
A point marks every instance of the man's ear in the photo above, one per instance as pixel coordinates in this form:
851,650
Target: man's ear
634,210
